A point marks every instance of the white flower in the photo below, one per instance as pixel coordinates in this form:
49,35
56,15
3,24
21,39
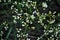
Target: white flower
29,1
19,14
26,14
52,21
2,32
23,2
34,7
14,21
50,31
26,4
38,38
46,33
27,34
19,3
18,35
15,3
6,28
18,17
0,1
33,27
40,20
34,12
24,35
58,24
44,4
30,22
14,17
22,5
23,25
21,11
32,16
12,6
34,3
42,24
16,9
20,29
22,22
54,12
27,21
52,35
4,23
58,14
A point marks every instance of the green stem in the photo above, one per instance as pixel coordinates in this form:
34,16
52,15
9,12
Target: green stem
8,33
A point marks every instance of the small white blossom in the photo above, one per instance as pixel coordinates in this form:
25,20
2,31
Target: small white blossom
28,39
6,28
29,1
22,5
18,17
52,35
46,33
38,38
4,23
18,35
14,17
21,11
16,9
26,4
52,21
58,14
32,16
34,7
2,32
34,12
15,3
19,3
0,1
33,27
27,34
26,14
23,2
18,31
44,4
23,24
14,21
50,31
27,21
58,24
34,3
12,6
30,22
24,35
54,12
22,21
19,14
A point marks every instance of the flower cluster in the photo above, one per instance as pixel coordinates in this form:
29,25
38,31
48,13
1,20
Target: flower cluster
26,17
